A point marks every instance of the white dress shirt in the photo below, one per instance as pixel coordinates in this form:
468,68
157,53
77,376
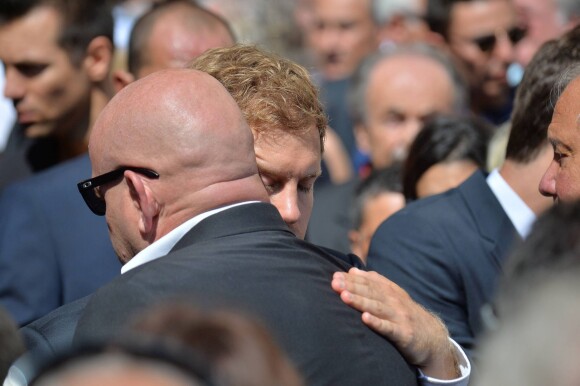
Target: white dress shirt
521,216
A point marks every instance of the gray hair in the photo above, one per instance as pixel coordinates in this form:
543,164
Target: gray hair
359,85
384,10
571,73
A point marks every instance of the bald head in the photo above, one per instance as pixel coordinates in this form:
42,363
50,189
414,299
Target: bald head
395,93
172,34
183,113
185,126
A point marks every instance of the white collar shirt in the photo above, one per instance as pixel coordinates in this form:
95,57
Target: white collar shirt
521,216
164,245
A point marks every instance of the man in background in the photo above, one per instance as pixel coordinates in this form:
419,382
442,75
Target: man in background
46,208
58,57
393,94
448,250
481,35
58,84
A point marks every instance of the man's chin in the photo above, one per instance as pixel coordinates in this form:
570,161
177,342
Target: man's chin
36,130
335,71
495,98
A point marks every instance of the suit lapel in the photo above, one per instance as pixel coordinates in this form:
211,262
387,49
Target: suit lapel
493,224
237,220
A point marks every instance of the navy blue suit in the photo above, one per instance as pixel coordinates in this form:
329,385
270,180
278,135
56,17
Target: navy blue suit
53,250
447,251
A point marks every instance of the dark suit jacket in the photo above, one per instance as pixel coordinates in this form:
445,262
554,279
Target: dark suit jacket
447,251
246,258
54,332
53,250
330,220
45,339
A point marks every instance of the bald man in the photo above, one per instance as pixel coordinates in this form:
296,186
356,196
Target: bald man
393,94
170,35
174,171
46,208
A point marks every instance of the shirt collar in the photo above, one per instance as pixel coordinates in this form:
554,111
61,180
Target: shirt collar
164,245
521,216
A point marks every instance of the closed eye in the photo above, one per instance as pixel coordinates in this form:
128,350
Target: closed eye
272,185
30,70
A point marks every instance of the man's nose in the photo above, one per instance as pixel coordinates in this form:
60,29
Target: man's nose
14,87
504,49
287,203
548,182
329,37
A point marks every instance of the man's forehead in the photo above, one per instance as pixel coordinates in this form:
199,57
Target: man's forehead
340,9
565,124
481,16
39,29
567,108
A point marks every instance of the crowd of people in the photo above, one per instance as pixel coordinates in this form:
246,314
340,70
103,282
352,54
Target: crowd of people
195,193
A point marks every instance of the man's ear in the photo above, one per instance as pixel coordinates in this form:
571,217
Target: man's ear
98,59
122,78
144,201
361,136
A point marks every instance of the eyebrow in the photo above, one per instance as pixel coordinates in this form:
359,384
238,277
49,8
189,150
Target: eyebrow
559,144
271,172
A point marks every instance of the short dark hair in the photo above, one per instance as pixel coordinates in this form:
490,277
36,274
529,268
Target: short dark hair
438,15
82,21
137,54
532,109
379,181
445,138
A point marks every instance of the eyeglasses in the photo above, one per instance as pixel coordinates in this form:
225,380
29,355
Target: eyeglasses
92,195
487,43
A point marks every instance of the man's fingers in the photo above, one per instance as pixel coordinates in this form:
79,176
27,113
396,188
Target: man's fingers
382,326
364,304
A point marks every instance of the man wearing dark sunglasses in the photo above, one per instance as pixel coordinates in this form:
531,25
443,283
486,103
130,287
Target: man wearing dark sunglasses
57,56
46,271
176,175
481,34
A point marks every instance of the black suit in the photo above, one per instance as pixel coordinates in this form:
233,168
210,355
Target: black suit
330,220
45,338
447,251
53,333
247,258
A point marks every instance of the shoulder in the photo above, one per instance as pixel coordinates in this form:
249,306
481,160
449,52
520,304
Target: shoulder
54,331
449,209
55,181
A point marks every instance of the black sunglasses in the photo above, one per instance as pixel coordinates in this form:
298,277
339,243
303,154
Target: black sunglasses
487,43
94,200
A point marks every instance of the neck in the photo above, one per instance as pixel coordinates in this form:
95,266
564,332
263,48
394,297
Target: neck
524,179
211,197
73,143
